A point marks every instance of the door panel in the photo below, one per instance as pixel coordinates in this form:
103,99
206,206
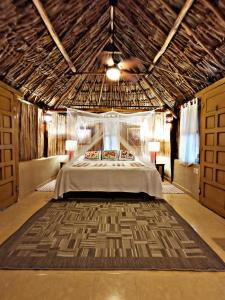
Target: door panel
212,160
8,148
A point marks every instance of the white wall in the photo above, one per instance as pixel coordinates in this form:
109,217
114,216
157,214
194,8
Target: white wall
187,178
35,172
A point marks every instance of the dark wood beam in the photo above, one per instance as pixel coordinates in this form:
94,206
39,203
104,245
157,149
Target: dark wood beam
61,76
190,32
144,91
91,89
124,109
52,32
173,31
91,61
100,93
73,99
68,33
158,96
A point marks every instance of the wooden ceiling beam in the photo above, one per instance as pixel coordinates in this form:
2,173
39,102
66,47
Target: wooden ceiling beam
91,61
144,91
61,76
96,108
69,32
55,83
153,90
172,85
120,94
52,32
137,31
71,101
173,31
190,32
157,96
100,93
136,7
90,91
130,93
183,76
183,54
146,75
140,34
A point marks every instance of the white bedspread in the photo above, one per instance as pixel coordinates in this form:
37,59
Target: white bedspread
108,176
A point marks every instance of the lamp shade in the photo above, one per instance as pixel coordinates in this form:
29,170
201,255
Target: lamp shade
47,117
154,146
71,145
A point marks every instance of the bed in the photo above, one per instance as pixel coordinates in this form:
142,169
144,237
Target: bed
108,176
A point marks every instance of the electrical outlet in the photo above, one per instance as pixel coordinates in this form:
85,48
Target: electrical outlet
195,170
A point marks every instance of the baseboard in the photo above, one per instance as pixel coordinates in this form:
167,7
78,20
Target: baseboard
184,190
45,182
21,196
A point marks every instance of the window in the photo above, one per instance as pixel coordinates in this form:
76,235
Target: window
189,133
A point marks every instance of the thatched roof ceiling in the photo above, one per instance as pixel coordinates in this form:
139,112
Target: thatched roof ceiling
31,62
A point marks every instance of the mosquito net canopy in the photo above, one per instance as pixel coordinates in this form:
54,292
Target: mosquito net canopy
113,131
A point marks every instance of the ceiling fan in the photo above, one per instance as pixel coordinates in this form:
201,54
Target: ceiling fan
110,58
119,69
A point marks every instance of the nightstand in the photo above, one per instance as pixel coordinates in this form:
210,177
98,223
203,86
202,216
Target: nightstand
62,163
160,168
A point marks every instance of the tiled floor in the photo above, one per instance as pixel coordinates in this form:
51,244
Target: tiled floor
115,285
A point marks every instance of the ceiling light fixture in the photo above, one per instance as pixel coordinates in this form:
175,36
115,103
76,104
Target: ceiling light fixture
113,73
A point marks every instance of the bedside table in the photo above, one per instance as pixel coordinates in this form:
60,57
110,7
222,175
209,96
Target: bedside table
62,163
160,168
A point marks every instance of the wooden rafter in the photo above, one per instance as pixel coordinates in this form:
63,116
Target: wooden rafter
144,91
178,74
145,76
90,91
68,33
100,93
173,31
52,32
71,101
135,28
89,63
91,60
191,33
157,96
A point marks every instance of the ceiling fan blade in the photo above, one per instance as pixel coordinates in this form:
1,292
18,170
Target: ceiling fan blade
130,63
106,59
129,77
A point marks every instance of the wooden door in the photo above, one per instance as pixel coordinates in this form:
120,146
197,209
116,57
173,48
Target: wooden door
8,148
212,159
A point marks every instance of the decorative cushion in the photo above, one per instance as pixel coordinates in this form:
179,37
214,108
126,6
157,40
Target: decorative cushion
126,155
93,155
110,155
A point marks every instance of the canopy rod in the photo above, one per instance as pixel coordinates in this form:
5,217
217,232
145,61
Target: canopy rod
53,34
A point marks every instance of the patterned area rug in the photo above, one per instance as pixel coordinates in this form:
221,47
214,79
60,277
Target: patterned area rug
167,188
131,232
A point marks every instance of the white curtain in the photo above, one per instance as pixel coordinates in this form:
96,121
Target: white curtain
189,133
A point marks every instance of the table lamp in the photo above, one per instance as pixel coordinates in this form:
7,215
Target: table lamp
71,146
154,147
